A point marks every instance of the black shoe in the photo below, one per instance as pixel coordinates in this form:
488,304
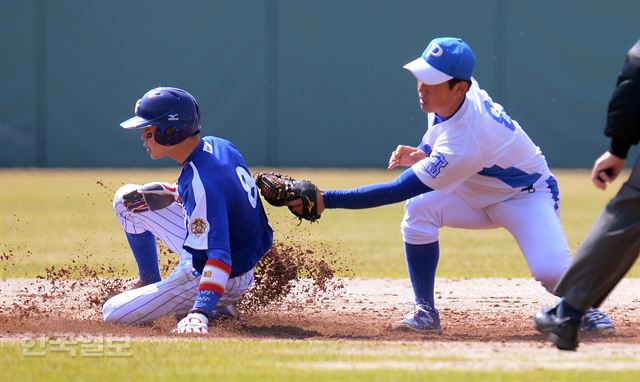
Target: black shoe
545,319
563,331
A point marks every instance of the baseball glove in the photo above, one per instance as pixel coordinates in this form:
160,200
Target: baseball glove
150,197
278,189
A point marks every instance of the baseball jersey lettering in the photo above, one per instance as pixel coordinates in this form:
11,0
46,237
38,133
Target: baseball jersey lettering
434,164
497,112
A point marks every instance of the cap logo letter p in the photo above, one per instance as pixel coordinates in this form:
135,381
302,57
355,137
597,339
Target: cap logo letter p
435,50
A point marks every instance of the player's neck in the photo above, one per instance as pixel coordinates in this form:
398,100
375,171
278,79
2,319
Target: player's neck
184,149
452,108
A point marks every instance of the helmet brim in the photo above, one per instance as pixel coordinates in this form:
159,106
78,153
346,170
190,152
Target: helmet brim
136,123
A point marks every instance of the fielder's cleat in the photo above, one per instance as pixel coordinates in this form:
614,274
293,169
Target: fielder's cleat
230,312
593,321
596,322
424,319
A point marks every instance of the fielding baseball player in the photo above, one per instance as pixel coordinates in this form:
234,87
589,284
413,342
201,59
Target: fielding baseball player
475,168
613,244
213,219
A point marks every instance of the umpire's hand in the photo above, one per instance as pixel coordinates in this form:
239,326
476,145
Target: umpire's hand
606,169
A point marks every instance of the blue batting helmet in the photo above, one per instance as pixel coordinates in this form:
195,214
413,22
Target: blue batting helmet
174,111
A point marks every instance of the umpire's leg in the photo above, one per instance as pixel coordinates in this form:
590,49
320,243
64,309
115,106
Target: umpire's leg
608,251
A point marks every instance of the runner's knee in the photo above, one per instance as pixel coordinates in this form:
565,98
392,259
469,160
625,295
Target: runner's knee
117,197
118,205
112,312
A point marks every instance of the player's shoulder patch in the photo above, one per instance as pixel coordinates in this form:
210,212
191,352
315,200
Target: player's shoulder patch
198,227
434,163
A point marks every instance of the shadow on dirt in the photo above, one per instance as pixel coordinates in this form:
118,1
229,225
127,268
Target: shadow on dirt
280,332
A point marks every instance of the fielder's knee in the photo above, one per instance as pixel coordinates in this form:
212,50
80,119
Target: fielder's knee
419,235
549,278
419,225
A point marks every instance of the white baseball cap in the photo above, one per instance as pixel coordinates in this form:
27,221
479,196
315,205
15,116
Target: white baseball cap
445,58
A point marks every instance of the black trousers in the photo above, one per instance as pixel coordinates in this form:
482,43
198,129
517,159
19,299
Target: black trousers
608,251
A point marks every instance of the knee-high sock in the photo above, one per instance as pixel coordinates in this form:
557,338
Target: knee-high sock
143,246
422,261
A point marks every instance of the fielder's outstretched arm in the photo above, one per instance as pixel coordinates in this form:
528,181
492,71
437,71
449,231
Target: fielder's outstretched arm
404,187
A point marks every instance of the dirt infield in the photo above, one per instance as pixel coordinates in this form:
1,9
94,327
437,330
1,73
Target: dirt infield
472,310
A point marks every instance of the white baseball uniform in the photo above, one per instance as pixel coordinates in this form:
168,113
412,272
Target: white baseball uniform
487,173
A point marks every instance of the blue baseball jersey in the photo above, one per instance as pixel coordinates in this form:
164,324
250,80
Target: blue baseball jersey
224,216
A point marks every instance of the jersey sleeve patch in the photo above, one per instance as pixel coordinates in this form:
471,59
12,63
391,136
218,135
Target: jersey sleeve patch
434,164
198,227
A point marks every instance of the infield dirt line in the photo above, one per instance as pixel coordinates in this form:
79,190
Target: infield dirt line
471,310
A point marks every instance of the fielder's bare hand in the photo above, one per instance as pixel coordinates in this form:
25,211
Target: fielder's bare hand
606,169
405,156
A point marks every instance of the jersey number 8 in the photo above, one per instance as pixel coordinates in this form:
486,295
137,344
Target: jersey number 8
249,185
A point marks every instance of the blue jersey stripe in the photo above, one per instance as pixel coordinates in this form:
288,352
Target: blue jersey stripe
552,184
512,176
425,148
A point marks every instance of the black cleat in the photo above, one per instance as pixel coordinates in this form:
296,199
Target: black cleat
565,334
563,331
545,319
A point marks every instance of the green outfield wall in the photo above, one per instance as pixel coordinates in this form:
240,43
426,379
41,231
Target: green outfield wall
297,83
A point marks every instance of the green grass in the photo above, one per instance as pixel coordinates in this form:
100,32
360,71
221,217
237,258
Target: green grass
49,217
255,360
52,217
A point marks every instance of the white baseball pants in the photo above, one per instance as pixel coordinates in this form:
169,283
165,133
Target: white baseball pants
175,294
531,218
